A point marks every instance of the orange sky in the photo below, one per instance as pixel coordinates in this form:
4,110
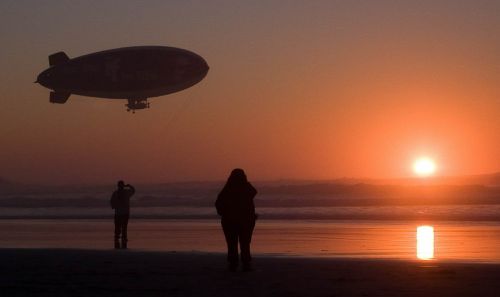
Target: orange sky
295,90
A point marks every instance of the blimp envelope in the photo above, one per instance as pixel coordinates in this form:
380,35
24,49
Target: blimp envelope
132,73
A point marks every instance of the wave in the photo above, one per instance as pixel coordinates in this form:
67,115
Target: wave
416,213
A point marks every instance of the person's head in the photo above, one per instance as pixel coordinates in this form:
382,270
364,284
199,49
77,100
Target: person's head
120,185
237,176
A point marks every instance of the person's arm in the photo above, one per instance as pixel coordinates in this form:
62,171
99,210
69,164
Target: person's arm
219,203
132,189
252,190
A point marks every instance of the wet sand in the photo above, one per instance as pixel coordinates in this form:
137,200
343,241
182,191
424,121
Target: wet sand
460,241
71,272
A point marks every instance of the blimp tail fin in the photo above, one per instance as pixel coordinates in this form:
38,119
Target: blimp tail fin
58,58
59,97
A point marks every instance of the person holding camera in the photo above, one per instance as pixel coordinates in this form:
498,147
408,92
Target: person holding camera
120,202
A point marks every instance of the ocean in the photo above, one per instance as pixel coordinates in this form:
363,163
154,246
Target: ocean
481,212
311,220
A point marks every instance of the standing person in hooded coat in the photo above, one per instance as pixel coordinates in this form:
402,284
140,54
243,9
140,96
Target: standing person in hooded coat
237,210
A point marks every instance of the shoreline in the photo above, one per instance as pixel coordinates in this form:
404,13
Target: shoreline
76,272
333,239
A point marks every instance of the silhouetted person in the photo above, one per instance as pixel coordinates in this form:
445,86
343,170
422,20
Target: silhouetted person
120,202
237,210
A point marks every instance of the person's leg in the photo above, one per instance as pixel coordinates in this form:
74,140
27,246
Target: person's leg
117,231
245,235
231,235
124,225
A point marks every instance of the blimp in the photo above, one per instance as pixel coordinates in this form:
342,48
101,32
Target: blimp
132,73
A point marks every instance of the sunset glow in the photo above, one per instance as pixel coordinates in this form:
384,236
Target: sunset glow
424,167
425,242
329,98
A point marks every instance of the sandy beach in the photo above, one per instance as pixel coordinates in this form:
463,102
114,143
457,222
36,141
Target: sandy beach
71,272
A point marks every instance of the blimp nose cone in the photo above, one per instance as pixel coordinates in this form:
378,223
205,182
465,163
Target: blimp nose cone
205,67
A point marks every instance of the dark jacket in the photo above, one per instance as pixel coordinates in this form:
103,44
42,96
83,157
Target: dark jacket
235,202
120,200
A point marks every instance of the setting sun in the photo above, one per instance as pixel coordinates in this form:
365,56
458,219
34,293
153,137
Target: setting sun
424,167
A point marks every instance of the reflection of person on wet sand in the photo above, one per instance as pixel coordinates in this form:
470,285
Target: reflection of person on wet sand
120,202
236,207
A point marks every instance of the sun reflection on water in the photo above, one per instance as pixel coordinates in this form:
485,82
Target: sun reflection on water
425,242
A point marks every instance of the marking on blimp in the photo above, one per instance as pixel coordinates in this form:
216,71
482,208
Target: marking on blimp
145,75
111,69
90,68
